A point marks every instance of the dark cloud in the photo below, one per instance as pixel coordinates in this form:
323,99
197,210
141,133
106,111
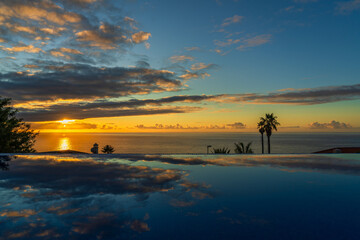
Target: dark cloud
52,115
85,81
237,125
105,108
88,84
332,125
302,96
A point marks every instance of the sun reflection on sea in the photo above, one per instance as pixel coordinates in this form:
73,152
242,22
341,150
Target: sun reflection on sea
64,144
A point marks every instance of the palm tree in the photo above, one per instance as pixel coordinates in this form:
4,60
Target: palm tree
223,150
270,124
261,128
108,149
241,149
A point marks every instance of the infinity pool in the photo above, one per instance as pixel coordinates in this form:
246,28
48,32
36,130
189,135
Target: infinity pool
180,197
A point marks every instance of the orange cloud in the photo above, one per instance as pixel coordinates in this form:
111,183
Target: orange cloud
23,213
37,12
25,48
95,39
53,30
188,75
69,50
57,54
20,28
140,37
31,66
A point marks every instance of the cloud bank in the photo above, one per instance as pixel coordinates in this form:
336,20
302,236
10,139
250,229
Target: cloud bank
331,125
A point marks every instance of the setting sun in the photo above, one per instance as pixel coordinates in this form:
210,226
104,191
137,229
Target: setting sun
65,121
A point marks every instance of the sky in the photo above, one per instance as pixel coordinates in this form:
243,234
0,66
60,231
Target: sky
164,66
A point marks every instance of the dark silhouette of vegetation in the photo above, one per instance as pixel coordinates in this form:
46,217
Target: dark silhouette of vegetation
261,128
240,148
108,149
270,124
223,150
95,149
207,148
4,162
15,135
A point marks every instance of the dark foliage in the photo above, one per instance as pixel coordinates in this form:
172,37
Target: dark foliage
4,162
15,135
223,150
108,149
240,148
269,124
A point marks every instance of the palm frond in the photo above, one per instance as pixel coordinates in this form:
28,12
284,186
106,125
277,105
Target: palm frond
223,150
241,149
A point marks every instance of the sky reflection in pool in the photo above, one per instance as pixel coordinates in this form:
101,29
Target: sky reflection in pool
181,197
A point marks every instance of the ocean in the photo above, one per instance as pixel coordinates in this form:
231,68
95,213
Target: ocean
167,143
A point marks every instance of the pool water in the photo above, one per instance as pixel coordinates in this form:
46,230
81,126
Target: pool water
180,197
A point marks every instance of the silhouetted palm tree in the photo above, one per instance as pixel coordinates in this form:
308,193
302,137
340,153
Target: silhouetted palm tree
108,149
270,124
223,150
261,128
241,149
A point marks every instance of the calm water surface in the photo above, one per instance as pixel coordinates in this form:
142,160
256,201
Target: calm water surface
194,142
180,197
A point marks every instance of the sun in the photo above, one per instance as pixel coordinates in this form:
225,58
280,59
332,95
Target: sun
66,121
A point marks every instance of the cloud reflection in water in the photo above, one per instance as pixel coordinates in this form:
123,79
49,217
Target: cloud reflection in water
123,196
65,197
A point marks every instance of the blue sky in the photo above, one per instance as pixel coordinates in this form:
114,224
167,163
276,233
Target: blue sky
311,45
183,62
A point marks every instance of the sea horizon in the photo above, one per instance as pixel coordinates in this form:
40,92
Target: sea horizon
194,142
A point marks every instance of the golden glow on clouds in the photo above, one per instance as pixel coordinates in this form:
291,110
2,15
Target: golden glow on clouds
39,13
25,48
214,118
140,37
44,104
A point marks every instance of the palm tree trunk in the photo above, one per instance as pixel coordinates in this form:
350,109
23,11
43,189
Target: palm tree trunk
269,144
262,143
